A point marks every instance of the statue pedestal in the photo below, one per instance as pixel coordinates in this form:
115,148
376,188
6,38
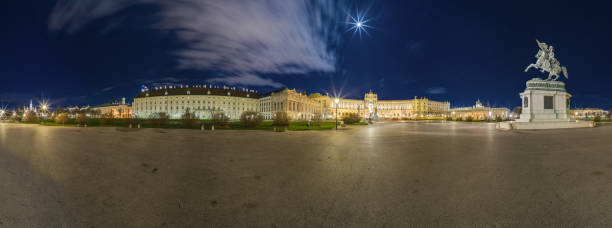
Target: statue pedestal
546,105
545,101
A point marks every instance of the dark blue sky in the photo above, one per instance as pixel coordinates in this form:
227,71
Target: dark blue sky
443,50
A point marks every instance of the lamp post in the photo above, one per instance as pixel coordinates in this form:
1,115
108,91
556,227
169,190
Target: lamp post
336,101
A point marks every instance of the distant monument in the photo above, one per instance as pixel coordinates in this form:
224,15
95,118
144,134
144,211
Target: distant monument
545,102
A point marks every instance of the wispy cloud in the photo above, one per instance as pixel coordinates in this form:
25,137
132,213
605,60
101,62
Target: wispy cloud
106,89
73,15
242,38
436,90
249,79
165,81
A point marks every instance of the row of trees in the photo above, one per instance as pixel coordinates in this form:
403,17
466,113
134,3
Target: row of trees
248,119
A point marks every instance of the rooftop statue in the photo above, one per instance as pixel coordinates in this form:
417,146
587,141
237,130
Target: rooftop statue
547,62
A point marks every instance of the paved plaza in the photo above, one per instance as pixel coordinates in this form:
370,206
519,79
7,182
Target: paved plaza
392,174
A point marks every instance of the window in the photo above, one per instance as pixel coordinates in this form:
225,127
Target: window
548,102
526,102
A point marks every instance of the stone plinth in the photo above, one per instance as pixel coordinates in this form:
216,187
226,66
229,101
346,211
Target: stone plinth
515,125
546,105
545,101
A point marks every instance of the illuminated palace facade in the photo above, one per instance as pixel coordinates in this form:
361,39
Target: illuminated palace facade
479,112
204,100
372,107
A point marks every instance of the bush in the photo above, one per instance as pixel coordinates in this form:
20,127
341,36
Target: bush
597,119
468,119
498,119
219,119
31,117
281,119
317,120
15,118
251,119
106,119
160,119
81,118
133,121
449,118
189,120
352,118
61,118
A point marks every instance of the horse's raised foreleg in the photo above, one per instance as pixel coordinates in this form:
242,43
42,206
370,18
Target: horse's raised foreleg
529,67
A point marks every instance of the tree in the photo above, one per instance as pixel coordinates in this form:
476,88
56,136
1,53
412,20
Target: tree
317,119
517,111
159,119
468,119
597,119
351,118
82,118
15,117
59,110
219,119
131,121
189,119
251,119
281,119
498,119
106,119
119,112
61,118
31,117
4,115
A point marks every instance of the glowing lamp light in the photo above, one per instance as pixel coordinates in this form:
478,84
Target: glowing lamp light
337,100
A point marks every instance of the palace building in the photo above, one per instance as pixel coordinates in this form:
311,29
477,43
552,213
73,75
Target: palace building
479,112
116,109
373,108
586,113
204,100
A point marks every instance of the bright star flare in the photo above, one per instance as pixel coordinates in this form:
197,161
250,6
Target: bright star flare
358,25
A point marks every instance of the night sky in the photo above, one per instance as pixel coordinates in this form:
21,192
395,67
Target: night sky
89,52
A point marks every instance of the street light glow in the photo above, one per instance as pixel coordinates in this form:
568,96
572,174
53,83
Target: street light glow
44,104
337,100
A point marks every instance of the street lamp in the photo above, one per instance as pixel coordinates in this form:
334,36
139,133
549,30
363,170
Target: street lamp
336,101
